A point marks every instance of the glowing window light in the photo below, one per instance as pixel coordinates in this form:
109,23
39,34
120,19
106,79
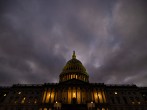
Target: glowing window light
44,97
74,95
48,96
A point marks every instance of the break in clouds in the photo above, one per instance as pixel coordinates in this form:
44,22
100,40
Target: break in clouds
37,38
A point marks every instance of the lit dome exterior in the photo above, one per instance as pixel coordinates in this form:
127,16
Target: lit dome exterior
74,69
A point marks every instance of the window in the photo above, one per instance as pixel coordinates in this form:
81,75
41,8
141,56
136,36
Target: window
118,100
125,100
132,100
76,77
112,99
134,93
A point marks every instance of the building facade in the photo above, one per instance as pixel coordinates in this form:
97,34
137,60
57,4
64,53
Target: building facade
73,92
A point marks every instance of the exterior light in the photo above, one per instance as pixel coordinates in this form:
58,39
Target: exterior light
19,92
35,101
5,95
115,93
23,100
138,102
91,102
56,102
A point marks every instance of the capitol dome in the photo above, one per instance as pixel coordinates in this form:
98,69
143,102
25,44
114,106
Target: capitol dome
74,69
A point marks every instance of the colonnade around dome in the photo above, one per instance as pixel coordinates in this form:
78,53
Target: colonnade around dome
70,76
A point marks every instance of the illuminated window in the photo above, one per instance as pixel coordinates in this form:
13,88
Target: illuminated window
95,96
44,97
52,96
48,96
115,93
5,95
104,98
69,95
76,77
100,97
78,95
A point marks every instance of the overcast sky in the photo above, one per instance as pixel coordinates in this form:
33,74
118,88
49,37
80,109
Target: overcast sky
37,38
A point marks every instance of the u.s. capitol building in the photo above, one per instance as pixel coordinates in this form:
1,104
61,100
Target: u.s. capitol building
73,92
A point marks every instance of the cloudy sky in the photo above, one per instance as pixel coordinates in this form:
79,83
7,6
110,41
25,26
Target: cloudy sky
37,38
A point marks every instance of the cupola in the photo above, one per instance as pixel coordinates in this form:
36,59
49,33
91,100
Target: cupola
74,69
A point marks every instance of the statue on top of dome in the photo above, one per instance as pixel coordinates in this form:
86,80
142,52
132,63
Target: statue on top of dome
74,55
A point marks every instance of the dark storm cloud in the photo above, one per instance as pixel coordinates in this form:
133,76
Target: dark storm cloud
38,37
128,64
